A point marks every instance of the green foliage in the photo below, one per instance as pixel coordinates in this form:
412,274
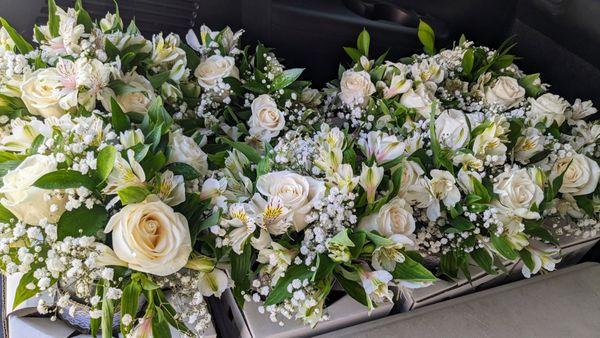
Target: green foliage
82,222
280,291
427,37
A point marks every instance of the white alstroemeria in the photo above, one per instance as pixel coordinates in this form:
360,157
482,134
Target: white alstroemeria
411,172
413,143
581,175
427,71
581,109
94,76
143,329
530,143
465,179
277,258
488,146
23,133
399,85
333,137
214,190
241,218
547,109
344,178
200,263
467,160
542,256
386,257
329,158
125,173
381,146
274,216
518,192
370,178
110,21
375,284
394,218
452,129
213,283
419,99
166,53
171,188
298,193
130,138
429,192
6,42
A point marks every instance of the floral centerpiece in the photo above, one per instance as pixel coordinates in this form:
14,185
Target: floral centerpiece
100,187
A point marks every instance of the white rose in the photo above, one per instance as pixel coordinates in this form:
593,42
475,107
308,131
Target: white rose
581,178
394,218
547,109
267,120
43,94
151,237
137,101
26,202
531,143
356,87
185,150
298,193
214,69
518,192
452,129
505,92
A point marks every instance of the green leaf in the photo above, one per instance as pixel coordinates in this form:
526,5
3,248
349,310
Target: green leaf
22,45
342,238
286,78
353,289
586,204
467,61
187,171
82,222
427,37
439,159
325,266
484,259
536,230
83,17
363,41
358,238
65,179
121,88
504,248
53,19
159,115
129,302
353,53
23,293
412,271
193,60
462,224
378,240
245,149
158,79
531,85
280,291
132,194
240,272
105,162
212,220
107,313
170,314
6,216
527,258
449,264
120,121
160,328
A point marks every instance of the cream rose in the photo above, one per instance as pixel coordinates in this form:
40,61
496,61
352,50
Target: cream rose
214,69
547,109
185,150
505,92
42,92
518,192
139,100
581,178
267,120
356,87
28,203
394,218
452,129
298,193
151,237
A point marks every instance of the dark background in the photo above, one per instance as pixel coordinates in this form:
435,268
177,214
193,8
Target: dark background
558,38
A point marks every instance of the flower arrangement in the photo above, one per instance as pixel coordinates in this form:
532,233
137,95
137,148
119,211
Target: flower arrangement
140,176
101,187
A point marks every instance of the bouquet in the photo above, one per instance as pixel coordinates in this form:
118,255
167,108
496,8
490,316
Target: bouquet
101,202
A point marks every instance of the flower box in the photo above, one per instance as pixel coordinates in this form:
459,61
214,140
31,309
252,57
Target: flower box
249,323
24,321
